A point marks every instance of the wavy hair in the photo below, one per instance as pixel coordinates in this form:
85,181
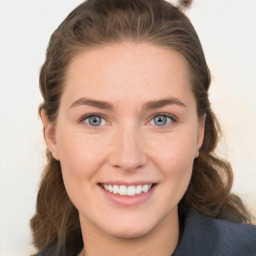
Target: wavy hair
55,224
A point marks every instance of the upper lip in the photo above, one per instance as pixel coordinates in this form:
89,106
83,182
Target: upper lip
125,183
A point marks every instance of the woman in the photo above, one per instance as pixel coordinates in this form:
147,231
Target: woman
131,136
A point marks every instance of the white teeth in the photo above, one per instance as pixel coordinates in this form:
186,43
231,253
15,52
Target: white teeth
145,188
131,191
110,189
138,189
115,189
123,190
127,190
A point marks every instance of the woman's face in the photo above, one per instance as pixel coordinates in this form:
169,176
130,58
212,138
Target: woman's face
127,119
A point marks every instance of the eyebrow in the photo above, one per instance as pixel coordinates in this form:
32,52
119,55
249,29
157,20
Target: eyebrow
154,104
93,103
150,105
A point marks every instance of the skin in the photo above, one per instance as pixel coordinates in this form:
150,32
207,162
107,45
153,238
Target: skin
128,145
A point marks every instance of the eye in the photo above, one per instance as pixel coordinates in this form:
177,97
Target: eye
94,120
162,120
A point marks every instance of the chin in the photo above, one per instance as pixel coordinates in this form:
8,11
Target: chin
129,231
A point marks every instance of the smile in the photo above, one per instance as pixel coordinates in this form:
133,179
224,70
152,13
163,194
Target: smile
124,190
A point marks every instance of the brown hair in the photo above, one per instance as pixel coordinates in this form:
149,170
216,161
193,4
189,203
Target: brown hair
98,22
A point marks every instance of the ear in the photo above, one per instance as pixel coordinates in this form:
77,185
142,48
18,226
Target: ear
200,135
49,134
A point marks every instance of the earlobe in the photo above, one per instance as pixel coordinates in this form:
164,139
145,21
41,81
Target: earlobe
49,134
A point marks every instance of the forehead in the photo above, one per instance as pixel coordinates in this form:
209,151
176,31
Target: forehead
134,69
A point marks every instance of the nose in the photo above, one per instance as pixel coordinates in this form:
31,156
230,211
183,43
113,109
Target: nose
127,150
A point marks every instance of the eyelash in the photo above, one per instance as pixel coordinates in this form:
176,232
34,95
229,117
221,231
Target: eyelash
86,117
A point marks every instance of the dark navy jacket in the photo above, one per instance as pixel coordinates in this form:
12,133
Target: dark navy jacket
201,236
205,236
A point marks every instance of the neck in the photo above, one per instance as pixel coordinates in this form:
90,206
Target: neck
161,241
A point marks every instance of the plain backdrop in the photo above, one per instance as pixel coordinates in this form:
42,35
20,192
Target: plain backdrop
228,35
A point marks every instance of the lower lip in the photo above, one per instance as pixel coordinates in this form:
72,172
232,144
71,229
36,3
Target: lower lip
128,200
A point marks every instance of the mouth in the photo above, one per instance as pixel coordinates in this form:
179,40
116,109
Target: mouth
131,190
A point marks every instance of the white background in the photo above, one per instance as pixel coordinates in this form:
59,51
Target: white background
227,30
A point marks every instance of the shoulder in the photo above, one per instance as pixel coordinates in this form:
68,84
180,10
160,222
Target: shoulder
215,237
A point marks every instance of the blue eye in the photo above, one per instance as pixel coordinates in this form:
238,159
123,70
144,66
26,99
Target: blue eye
161,120
95,120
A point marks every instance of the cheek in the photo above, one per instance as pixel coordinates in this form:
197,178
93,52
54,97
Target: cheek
77,149
174,152
175,161
176,164
81,158
174,158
